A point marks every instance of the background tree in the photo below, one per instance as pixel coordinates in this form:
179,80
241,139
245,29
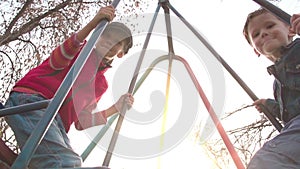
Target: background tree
31,29
247,139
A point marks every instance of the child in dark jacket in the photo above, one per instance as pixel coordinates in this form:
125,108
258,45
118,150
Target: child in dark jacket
271,37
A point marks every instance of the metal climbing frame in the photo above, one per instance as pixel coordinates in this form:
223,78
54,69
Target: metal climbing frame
166,6
54,104
171,56
265,4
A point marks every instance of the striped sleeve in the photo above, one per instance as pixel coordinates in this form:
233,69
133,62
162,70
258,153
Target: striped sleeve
88,119
62,55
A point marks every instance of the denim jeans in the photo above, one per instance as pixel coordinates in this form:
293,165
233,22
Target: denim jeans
55,150
282,152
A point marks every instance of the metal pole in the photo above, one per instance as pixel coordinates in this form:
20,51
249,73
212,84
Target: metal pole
236,159
98,137
24,108
38,133
272,119
206,102
285,17
131,87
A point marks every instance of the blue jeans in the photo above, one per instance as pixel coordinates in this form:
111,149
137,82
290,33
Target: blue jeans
54,150
282,152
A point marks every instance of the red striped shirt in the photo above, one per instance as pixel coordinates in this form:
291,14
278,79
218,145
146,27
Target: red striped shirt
47,77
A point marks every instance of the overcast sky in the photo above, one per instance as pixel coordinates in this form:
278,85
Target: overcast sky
221,23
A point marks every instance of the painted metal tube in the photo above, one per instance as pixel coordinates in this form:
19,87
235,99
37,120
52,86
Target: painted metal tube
131,88
285,17
206,102
272,119
98,137
24,108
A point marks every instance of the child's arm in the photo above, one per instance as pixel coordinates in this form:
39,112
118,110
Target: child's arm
87,119
273,106
270,104
62,56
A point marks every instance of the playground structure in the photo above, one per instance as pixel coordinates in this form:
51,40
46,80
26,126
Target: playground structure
17,161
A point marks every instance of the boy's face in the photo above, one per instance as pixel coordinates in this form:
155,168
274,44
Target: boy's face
268,34
110,44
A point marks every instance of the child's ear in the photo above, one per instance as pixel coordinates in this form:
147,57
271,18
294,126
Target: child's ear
256,52
120,54
291,34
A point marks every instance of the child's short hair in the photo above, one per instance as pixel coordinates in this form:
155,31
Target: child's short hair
120,27
251,16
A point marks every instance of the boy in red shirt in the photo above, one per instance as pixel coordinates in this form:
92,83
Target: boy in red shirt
43,81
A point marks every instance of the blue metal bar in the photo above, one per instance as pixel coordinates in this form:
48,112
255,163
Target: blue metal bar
38,133
24,108
272,119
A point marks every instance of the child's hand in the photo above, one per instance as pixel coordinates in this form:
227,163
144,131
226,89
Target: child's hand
107,12
127,98
257,104
295,23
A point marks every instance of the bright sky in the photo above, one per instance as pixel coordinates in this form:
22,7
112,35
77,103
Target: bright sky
221,22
